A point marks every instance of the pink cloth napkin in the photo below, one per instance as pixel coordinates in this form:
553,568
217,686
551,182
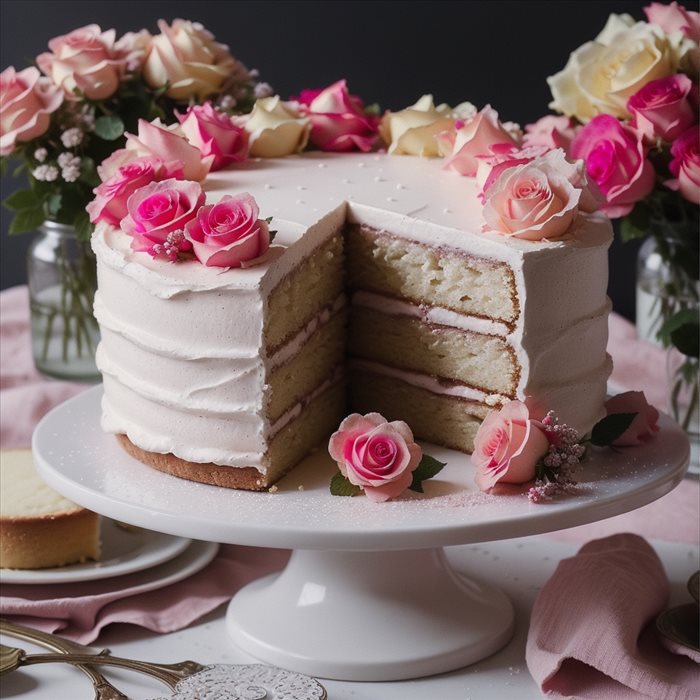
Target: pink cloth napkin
592,632
79,611
25,396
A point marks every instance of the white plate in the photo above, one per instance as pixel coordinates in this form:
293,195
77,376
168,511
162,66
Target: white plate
96,473
195,557
124,551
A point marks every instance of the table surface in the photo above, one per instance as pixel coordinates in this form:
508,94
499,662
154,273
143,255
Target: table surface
519,566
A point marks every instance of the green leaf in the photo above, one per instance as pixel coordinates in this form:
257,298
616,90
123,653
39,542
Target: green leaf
3,165
53,204
427,468
83,227
373,110
109,127
607,430
24,199
686,338
27,220
636,223
340,486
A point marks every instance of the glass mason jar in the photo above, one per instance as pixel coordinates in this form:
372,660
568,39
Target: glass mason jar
62,281
655,303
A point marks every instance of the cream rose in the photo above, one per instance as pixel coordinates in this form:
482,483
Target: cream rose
276,128
413,130
187,58
603,74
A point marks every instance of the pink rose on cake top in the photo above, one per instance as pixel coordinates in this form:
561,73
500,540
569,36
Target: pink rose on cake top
26,101
215,134
228,233
550,131
338,119
111,197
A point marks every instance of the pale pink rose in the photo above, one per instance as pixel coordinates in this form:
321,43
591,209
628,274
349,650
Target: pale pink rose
537,200
186,57
169,144
507,446
674,18
215,134
376,455
85,62
475,138
229,232
662,109
685,165
338,119
158,211
132,46
501,157
550,131
111,196
26,101
645,423
616,160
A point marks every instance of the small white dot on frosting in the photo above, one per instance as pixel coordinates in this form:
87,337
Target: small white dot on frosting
257,160
348,196
300,201
321,165
391,199
268,186
399,186
347,181
447,211
360,165
301,187
379,179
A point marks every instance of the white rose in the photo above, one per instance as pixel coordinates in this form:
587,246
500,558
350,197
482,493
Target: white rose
603,74
412,131
276,128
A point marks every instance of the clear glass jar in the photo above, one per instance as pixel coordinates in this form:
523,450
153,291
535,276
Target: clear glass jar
652,278
62,281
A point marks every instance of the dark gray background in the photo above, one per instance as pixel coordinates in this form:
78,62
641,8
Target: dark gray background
496,51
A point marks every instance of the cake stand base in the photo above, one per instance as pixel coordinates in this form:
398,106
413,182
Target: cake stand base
370,616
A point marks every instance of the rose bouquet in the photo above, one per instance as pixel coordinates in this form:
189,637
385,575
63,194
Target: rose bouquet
116,114
629,106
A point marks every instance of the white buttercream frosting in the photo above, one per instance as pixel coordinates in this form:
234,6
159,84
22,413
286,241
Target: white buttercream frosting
158,317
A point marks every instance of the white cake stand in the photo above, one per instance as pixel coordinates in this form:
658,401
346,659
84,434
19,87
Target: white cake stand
367,594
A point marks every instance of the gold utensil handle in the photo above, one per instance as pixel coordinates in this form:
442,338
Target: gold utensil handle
169,674
104,690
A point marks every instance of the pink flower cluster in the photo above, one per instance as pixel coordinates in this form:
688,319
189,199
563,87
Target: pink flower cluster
529,187
168,219
205,139
512,446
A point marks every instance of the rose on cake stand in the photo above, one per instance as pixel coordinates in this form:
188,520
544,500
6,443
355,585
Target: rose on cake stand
87,116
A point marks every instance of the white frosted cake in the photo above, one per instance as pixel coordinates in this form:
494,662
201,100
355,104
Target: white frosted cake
381,292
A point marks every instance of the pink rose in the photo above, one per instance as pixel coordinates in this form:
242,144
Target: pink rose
85,62
215,134
228,233
685,165
168,144
537,200
661,109
616,161
476,138
158,213
26,101
111,196
501,157
645,423
338,120
550,131
674,18
378,456
507,446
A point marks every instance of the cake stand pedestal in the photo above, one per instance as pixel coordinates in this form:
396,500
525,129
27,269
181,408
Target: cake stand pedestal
368,593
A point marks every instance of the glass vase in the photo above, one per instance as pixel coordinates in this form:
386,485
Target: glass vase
659,296
62,281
